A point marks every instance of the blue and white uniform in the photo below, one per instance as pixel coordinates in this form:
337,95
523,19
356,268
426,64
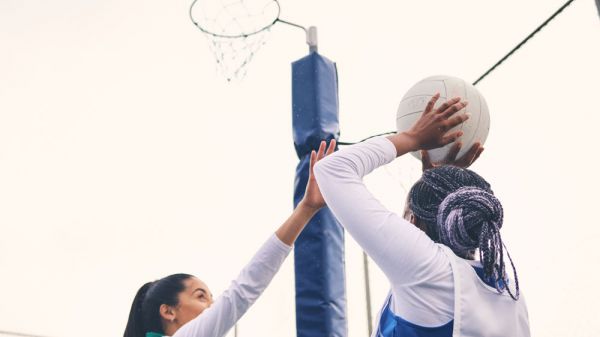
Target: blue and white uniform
433,292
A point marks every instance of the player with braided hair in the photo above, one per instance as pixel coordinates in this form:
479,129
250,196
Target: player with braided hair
459,209
438,289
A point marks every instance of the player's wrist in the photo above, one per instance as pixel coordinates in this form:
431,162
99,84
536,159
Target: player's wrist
307,207
405,142
412,141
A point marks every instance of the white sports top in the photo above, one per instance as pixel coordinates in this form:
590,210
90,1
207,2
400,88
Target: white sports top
419,270
229,307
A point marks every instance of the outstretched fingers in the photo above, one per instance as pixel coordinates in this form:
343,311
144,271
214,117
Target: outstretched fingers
449,138
454,108
448,104
321,151
478,153
470,156
331,147
431,103
456,120
315,156
474,152
451,123
313,161
426,160
454,150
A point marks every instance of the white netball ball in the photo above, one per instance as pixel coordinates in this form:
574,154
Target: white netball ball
412,105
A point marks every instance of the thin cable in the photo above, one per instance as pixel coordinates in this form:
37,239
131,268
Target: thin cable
360,141
524,41
494,66
20,334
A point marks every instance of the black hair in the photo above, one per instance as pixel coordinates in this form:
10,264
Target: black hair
144,315
460,211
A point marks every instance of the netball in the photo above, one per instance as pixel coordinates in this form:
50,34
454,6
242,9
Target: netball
475,129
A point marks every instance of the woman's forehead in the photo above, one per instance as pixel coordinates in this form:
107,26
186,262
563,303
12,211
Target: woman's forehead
194,283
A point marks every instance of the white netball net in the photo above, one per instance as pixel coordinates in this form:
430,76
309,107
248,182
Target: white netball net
236,29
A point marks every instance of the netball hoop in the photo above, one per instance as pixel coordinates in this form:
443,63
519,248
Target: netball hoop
236,29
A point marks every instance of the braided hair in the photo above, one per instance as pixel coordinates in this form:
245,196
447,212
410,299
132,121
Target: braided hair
461,211
144,315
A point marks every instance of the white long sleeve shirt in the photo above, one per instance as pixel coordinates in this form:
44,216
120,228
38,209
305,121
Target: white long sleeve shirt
419,270
406,255
229,307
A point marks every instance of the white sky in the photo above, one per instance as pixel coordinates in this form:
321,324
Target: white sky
124,156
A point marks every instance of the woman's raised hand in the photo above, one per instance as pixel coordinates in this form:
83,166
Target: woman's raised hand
312,197
310,204
465,161
432,129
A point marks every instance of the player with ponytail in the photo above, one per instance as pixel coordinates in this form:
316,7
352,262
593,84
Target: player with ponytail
438,288
181,305
145,315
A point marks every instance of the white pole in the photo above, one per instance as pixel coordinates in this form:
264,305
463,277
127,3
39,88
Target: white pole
368,293
311,39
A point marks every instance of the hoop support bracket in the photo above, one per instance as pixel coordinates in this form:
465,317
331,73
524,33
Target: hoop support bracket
311,35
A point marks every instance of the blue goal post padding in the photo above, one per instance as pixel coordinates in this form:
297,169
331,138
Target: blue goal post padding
319,251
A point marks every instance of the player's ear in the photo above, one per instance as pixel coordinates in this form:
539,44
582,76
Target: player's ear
417,222
413,219
167,313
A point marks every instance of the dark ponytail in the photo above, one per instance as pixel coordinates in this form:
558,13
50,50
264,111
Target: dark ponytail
465,215
135,324
145,310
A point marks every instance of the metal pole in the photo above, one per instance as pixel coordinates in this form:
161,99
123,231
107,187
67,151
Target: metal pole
368,293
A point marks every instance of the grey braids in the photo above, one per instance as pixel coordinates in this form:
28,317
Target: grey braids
426,194
465,212
465,215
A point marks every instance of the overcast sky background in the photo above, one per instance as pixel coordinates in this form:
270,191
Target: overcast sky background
125,156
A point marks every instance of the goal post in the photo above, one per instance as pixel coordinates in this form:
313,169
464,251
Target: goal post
319,251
